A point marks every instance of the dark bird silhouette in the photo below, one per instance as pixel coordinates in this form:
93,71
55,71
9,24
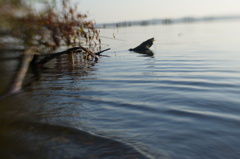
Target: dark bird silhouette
143,48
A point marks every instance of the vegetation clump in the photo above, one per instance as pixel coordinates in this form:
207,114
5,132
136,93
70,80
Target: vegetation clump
44,30
49,28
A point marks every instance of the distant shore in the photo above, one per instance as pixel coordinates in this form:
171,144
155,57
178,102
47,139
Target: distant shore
168,21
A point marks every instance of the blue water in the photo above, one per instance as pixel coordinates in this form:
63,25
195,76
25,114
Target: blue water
181,103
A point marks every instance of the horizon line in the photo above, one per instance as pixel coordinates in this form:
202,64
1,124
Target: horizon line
168,21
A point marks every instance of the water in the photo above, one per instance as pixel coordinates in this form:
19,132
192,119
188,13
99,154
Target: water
181,103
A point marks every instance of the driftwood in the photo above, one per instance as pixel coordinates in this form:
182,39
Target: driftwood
17,82
49,57
144,47
31,56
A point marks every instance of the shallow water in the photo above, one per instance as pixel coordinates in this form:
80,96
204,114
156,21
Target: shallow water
181,103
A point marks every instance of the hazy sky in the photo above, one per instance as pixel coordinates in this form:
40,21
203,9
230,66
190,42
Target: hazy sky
124,10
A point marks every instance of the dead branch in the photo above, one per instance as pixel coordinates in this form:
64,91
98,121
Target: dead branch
49,57
30,57
22,70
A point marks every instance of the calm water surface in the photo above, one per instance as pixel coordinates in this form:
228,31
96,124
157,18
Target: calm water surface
181,103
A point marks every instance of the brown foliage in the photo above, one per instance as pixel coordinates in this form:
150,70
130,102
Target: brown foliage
49,29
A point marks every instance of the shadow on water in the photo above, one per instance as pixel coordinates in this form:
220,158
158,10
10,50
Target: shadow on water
27,139
25,133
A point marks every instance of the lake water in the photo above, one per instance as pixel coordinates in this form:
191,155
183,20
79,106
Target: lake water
181,103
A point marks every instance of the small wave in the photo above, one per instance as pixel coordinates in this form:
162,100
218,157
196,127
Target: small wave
24,139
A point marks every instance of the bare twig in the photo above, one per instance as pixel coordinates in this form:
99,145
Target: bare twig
99,53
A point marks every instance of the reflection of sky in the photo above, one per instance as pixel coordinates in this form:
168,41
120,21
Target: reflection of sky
114,11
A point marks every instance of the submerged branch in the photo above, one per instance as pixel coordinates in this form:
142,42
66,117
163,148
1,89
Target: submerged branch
49,57
30,57
17,82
